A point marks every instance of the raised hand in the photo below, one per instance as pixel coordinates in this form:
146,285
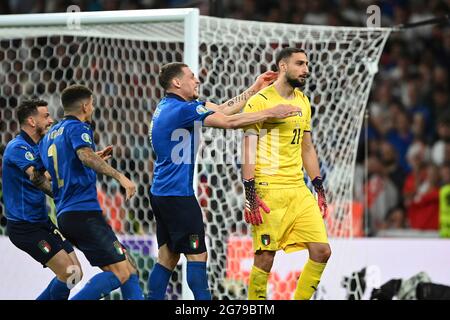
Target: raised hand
265,80
106,153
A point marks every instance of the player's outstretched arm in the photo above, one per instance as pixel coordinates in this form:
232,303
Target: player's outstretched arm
92,160
311,164
219,120
40,181
236,104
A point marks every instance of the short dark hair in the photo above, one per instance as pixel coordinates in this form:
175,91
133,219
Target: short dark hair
74,94
170,71
28,108
286,53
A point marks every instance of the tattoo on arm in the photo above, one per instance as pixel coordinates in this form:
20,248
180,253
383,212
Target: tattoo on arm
243,97
95,162
41,182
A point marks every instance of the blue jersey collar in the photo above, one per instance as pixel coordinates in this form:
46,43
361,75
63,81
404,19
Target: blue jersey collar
70,117
175,96
27,138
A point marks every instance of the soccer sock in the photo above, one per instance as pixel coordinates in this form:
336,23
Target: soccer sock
56,290
45,295
197,280
59,290
309,280
157,282
99,286
131,289
257,287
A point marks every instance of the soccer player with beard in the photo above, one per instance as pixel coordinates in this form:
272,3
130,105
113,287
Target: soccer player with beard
28,225
275,153
179,221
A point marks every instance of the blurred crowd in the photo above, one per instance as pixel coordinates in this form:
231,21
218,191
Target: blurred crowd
406,163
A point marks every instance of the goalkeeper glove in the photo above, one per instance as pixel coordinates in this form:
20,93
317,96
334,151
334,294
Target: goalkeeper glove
321,199
253,203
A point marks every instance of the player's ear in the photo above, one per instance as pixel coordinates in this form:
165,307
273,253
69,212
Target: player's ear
176,82
31,122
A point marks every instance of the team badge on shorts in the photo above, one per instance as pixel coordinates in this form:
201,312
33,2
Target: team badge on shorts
44,246
193,240
265,239
118,247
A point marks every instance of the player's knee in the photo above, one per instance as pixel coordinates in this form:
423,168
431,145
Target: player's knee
123,274
264,260
322,254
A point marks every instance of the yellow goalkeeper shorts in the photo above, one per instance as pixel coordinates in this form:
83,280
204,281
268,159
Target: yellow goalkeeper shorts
294,219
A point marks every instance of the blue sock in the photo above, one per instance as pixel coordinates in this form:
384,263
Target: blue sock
99,286
131,289
56,290
45,295
197,280
59,290
157,282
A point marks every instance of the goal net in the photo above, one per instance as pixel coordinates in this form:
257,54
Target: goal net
120,63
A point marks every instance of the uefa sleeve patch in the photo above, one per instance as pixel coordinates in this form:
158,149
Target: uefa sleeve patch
29,156
86,138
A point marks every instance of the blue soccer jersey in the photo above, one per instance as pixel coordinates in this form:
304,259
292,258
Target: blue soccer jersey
23,201
174,135
73,184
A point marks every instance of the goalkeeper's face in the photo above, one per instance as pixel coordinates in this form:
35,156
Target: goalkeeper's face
297,70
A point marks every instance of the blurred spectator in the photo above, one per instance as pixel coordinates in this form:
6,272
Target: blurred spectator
401,137
423,209
382,195
389,160
440,153
418,156
395,219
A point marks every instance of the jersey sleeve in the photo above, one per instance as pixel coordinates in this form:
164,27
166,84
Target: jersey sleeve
39,164
308,112
254,104
193,111
24,157
80,135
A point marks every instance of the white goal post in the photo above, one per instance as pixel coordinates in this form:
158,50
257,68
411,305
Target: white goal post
118,55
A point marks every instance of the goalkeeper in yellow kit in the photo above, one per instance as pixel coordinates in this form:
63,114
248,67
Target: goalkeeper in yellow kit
275,152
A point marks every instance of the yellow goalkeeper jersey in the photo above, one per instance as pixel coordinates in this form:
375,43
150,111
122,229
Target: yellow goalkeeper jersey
279,152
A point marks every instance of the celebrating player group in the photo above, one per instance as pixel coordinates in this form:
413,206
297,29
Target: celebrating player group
60,160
